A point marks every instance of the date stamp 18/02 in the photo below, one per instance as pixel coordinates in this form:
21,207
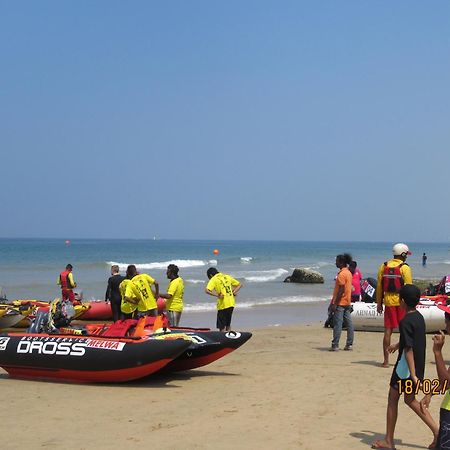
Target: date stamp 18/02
426,386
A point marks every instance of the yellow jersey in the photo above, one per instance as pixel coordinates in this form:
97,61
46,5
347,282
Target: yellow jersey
223,284
143,283
176,290
127,307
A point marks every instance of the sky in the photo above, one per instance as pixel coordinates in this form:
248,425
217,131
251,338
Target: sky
291,120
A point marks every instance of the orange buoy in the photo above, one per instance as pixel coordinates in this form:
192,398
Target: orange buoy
215,251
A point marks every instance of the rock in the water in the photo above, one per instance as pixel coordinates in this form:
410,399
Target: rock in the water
305,276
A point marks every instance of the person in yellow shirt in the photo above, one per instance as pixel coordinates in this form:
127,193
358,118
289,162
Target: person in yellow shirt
128,304
225,288
138,298
174,295
392,275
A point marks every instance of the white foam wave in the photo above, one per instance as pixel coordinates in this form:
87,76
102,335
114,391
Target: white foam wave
259,302
262,276
246,259
212,262
194,281
182,263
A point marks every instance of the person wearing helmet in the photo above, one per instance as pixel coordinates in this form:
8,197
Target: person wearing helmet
392,275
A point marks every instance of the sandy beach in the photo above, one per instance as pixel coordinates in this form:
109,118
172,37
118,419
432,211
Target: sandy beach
282,390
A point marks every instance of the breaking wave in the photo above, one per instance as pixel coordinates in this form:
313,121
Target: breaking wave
182,263
262,276
208,306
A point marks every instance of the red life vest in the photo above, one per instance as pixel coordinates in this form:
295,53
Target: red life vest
65,282
392,278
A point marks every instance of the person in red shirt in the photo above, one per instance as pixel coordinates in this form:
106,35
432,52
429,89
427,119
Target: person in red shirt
67,284
356,281
341,303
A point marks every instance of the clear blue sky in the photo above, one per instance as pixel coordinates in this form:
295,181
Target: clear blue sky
305,120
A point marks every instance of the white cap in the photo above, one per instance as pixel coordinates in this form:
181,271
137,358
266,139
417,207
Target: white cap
400,250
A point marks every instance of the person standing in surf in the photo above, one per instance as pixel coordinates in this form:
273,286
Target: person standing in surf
67,283
113,292
341,303
174,295
225,288
392,275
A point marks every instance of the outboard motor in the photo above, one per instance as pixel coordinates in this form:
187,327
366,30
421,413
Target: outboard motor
39,324
63,314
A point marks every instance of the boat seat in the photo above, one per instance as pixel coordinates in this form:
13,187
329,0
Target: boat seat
120,328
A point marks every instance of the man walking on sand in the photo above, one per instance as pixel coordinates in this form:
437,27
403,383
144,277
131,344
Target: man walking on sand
392,275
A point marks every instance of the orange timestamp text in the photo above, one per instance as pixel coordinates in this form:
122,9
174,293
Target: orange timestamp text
426,386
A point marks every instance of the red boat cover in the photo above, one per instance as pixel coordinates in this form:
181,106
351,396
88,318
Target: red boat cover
122,327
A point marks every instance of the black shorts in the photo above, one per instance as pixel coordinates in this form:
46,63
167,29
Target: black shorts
397,382
224,318
443,441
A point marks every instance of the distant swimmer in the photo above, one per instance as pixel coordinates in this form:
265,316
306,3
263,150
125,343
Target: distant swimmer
225,288
113,292
424,260
67,283
174,295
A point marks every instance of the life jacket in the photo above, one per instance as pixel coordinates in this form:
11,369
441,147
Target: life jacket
65,282
392,278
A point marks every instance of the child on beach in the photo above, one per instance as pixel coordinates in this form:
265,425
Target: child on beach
409,369
443,441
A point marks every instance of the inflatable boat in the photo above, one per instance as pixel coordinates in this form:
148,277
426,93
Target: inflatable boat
9,317
85,358
205,346
96,310
29,308
366,318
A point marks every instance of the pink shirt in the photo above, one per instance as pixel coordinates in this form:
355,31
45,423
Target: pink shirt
356,282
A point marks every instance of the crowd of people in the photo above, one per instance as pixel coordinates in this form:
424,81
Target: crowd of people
135,295
397,298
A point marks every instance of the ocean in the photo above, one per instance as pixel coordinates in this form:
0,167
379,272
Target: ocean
29,269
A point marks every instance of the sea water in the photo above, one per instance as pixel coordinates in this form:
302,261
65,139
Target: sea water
29,269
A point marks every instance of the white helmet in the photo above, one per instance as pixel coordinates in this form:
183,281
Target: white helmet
400,250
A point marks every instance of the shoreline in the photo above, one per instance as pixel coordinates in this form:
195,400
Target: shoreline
262,316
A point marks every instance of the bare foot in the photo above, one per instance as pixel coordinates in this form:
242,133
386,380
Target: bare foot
383,444
384,364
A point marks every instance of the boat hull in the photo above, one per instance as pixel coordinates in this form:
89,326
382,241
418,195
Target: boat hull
98,310
85,358
366,318
205,348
